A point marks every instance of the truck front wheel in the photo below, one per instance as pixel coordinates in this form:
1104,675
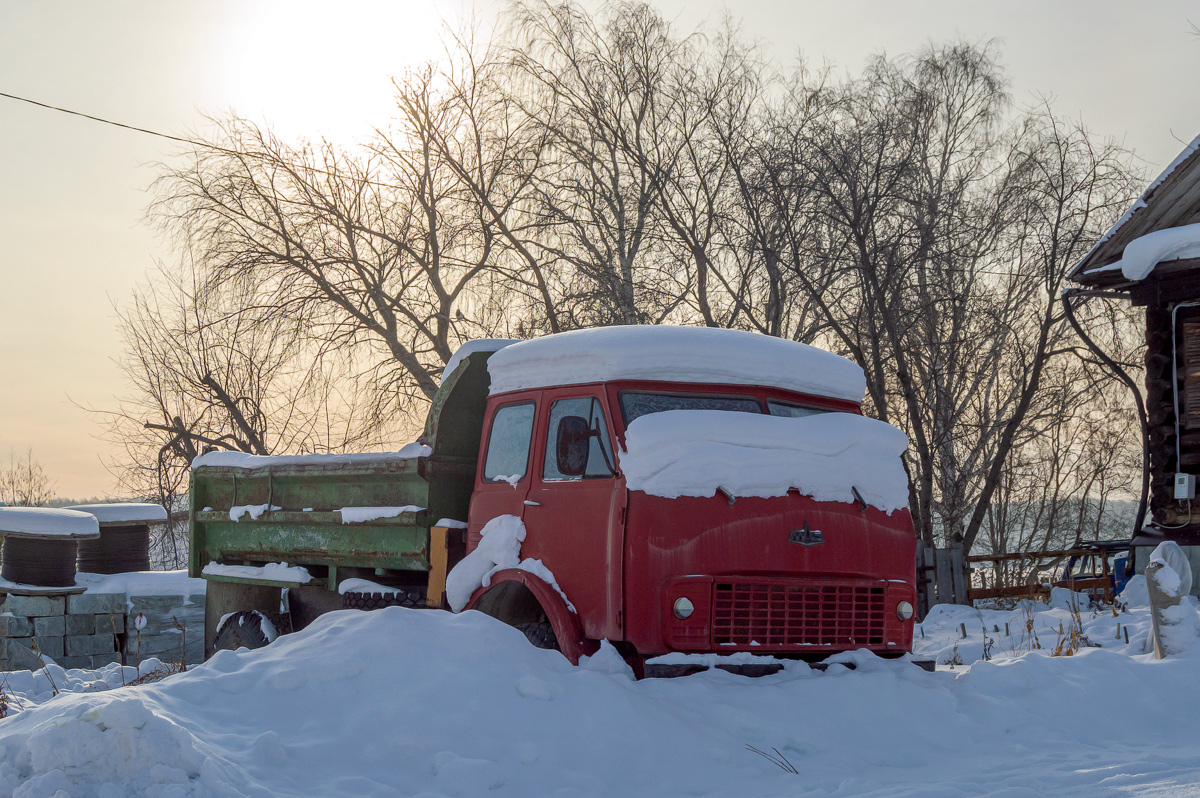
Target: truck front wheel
540,633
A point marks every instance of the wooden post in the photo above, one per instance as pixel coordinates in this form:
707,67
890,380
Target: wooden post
958,576
945,584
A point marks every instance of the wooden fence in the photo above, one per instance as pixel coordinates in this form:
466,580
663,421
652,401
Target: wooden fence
944,576
941,578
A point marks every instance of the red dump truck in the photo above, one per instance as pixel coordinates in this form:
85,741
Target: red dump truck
667,489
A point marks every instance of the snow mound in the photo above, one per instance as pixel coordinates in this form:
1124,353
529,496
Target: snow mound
417,702
499,548
674,354
695,452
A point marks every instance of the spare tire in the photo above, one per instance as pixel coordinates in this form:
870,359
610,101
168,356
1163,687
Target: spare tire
245,629
411,597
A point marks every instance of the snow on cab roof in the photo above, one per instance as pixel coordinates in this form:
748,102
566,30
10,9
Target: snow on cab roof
674,354
127,512
47,522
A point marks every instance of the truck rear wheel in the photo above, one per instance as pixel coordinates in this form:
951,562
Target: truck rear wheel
245,629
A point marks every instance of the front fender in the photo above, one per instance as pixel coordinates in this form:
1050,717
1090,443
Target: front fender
564,621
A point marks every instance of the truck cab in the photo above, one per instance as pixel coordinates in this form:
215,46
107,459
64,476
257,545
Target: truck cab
785,575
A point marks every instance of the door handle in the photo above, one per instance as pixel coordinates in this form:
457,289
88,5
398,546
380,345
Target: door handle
529,503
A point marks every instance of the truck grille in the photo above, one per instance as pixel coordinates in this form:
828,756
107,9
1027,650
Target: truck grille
774,614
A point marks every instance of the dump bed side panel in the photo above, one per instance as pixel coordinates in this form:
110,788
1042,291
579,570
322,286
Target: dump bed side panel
309,529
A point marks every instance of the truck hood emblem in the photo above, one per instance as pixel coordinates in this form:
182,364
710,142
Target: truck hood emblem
806,536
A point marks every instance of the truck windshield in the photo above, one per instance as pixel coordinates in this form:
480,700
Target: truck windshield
792,410
635,404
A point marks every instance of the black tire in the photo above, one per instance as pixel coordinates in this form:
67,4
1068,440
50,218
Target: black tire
377,601
241,630
540,634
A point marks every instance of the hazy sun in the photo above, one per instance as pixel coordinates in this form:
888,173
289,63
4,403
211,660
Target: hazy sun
311,68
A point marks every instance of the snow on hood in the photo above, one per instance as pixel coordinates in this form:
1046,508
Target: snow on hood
674,354
1141,255
251,461
695,452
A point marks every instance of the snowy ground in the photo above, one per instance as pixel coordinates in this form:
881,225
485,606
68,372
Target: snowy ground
407,702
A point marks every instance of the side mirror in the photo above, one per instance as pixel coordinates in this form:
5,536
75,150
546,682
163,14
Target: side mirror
574,438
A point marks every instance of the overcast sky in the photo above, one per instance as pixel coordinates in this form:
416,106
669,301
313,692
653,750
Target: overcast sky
72,237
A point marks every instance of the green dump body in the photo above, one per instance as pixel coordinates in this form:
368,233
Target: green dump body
308,529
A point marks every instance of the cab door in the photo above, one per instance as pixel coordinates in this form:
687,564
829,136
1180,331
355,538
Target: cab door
504,471
574,511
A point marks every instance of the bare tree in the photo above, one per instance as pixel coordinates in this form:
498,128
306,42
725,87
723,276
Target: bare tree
602,168
24,483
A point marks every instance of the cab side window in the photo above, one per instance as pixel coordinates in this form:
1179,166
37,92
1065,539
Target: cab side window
584,419
507,456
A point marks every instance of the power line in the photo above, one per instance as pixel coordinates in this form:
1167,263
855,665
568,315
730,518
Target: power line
104,121
216,148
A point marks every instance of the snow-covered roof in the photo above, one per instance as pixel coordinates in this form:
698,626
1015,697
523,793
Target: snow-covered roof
674,354
825,456
127,512
47,522
1141,201
251,461
1140,220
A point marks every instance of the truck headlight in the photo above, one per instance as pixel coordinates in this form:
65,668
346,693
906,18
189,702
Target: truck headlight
904,610
683,608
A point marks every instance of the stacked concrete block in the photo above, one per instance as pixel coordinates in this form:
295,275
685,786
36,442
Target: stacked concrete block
75,631
89,630
171,629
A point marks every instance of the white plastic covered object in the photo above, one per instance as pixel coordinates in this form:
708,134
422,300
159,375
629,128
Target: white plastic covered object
674,354
48,522
1179,581
129,512
826,456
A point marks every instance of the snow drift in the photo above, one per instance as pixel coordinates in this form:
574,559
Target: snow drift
419,702
695,452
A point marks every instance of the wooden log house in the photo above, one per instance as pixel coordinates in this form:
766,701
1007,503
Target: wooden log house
1152,254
